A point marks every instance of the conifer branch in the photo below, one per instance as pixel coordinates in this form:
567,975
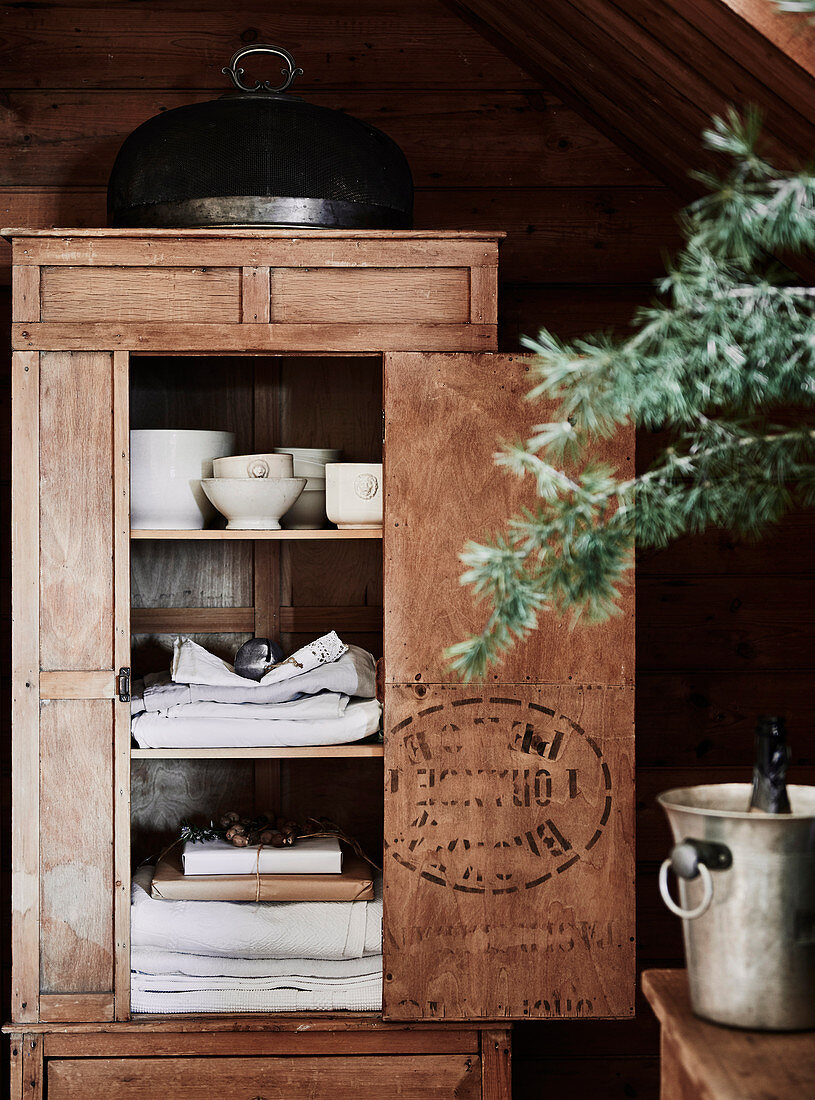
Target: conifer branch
727,347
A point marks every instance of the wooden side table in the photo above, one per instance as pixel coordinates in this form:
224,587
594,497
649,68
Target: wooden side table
702,1061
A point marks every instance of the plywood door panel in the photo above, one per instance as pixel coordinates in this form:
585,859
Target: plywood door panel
76,804
509,860
141,294
76,511
425,1077
445,416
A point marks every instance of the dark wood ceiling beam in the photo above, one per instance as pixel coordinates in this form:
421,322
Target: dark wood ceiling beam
650,73
535,37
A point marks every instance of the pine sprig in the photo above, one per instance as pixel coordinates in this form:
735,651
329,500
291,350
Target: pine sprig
729,343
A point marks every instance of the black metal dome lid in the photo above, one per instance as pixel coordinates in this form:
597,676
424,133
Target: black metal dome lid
259,158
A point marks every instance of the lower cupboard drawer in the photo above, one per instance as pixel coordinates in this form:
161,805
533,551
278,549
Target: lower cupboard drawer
414,1077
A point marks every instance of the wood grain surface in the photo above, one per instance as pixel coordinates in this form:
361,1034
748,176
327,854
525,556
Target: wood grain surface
24,747
707,1062
508,852
76,858
451,137
76,511
438,496
427,1077
140,294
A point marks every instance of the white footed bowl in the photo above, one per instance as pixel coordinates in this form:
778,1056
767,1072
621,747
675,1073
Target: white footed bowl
166,468
262,465
253,503
310,461
353,493
308,513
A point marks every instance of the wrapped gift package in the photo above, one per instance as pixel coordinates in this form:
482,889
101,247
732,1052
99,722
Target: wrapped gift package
312,856
354,883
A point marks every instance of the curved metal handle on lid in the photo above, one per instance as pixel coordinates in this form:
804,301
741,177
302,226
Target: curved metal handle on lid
234,69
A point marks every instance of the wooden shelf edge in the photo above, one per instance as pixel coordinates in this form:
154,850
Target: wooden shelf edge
306,752
254,536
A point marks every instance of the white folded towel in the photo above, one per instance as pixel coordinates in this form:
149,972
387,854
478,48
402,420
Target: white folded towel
255,930
156,961
328,704
153,994
158,730
192,664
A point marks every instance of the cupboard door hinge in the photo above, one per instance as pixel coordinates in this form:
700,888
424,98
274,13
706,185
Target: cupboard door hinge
123,685
383,425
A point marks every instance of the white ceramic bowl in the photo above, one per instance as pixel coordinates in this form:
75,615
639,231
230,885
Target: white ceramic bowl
262,465
308,512
253,503
310,461
353,494
166,468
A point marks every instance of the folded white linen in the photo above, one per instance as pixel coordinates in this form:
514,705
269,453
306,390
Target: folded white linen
354,673
156,730
157,962
363,995
256,930
328,704
192,664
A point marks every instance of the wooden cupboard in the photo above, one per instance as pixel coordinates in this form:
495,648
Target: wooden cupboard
503,808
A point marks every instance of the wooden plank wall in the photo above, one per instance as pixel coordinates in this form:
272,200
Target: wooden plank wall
725,630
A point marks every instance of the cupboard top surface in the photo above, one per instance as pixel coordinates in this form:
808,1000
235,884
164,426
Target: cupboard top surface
267,234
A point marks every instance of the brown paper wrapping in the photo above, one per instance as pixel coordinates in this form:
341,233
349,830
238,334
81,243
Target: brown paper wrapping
170,883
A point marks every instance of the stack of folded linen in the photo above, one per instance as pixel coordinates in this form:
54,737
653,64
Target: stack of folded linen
211,956
321,695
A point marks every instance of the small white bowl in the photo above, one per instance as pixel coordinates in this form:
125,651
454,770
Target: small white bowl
253,503
262,465
354,494
310,461
308,511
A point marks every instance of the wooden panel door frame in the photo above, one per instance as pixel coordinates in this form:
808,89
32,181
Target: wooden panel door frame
121,661
32,688
25,701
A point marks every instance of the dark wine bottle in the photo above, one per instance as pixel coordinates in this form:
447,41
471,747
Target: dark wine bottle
772,755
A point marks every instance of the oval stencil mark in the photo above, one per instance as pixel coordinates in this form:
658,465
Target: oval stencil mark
501,827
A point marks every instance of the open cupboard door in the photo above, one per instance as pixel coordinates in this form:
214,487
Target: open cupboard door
509,803
70,637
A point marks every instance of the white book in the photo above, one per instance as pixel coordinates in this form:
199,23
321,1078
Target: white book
314,856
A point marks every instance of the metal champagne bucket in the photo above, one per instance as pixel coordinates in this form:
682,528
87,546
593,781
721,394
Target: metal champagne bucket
747,902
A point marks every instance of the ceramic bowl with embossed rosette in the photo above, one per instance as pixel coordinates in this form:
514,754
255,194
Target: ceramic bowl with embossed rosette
353,493
262,465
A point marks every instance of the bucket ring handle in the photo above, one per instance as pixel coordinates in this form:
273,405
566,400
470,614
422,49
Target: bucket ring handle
677,910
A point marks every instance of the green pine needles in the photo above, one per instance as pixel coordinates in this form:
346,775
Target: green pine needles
724,363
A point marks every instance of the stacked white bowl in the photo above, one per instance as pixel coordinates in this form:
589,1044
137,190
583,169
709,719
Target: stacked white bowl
253,491
308,513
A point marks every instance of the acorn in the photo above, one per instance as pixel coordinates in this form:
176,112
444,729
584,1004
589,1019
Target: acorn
266,836
229,819
240,841
278,840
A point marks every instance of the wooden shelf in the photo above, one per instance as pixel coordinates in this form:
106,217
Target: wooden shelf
329,533
307,752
